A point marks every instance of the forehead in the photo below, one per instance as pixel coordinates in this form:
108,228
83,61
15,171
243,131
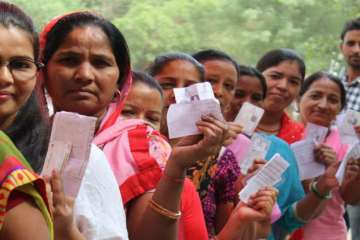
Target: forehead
145,95
87,37
219,66
179,69
325,85
352,35
289,68
15,42
249,82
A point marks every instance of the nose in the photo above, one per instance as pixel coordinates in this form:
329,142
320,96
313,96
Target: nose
218,90
6,77
84,73
282,83
322,103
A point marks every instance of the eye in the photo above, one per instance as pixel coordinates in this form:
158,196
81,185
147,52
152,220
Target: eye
256,97
294,81
275,76
350,43
314,96
229,87
167,85
128,112
240,94
334,100
212,81
101,63
69,61
21,64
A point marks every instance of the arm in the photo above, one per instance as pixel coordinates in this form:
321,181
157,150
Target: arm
167,194
24,222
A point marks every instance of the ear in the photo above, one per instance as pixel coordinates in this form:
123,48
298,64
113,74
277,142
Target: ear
341,46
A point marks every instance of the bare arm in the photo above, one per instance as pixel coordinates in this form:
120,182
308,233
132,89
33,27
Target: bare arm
167,194
24,222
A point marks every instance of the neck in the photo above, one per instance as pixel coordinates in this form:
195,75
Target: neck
352,74
270,122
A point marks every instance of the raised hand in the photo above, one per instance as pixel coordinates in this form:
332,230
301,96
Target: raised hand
232,132
325,154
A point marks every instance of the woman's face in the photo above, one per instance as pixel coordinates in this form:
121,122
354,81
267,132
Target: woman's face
81,75
283,84
144,102
17,72
321,102
223,77
175,74
248,89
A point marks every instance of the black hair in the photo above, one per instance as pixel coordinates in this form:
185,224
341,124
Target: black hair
277,56
212,54
141,77
30,129
319,75
11,15
69,22
161,61
352,24
253,72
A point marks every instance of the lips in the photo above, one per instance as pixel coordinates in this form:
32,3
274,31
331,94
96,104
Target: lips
4,95
82,92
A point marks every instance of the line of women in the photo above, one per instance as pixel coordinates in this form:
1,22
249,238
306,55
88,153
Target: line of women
138,184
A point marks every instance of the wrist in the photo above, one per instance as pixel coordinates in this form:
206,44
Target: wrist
319,191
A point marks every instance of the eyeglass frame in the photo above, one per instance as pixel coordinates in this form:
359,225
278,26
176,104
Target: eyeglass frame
38,65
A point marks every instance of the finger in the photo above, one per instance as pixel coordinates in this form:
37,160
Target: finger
57,189
212,126
218,123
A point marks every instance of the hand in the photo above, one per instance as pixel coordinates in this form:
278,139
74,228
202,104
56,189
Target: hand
193,148
61,207
264,201
241,180
325,154
232,132
352,171
327,182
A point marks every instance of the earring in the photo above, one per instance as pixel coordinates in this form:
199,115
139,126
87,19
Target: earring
117,95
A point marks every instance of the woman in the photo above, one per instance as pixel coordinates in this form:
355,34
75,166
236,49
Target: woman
284,71
214,184
83,74
296,208
24,212
322,97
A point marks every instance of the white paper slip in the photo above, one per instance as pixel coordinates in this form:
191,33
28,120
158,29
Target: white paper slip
195,92
249,117
353,153
58,153
316,132
269,175
304,153
258,149
346,127
76,131
182,117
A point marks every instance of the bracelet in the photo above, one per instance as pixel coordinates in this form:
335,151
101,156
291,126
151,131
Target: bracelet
313,188
173,179
163,211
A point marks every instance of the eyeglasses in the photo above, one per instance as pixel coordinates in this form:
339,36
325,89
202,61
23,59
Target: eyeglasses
22,69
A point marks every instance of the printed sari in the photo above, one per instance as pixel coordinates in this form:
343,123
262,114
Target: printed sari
17,175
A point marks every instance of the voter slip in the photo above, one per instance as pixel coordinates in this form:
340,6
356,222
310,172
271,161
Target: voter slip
249,117
69,148
269,175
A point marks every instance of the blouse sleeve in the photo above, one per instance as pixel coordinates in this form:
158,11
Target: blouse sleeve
225,178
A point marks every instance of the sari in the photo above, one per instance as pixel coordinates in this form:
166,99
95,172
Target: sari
17,175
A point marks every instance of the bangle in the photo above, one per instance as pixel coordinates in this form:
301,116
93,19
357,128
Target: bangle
314,189
173,179
163,211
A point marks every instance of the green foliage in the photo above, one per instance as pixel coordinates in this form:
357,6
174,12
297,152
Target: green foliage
244,29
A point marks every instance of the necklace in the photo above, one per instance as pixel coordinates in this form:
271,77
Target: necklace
273,131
